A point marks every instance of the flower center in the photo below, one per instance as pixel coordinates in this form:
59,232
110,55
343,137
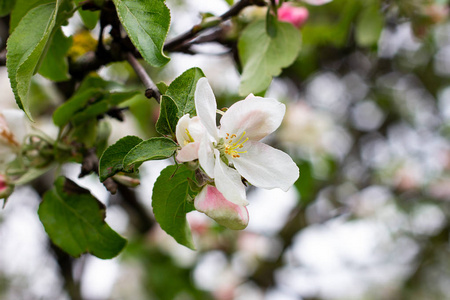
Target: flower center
232,147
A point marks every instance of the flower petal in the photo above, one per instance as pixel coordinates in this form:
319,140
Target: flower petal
228,182
211,202
206,157
16,121
180,130
188,152
266,167
186,125
257,116
206,106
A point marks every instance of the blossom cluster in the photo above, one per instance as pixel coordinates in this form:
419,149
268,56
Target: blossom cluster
232,152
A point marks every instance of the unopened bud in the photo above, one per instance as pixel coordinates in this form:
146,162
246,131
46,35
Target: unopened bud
126,180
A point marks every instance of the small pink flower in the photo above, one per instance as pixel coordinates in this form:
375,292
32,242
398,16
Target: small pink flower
295,15
212,203
5,188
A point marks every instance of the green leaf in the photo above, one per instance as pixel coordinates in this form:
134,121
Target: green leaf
102,106
26,47
75,221
369,25
111,161
6,6
90,18
88,103
77,102
95,81
182,91
55,66
168,119
162,87
263,57
147,24
271,23
21,8
151,149
170,205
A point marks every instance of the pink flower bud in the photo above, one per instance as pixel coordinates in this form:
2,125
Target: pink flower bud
212,203
6,189
295,15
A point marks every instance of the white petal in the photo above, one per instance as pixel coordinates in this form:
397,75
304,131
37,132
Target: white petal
196,129
206,106
188,152
192,125
267,167
206,157
180,130
257,116
211,202
16,121
228,182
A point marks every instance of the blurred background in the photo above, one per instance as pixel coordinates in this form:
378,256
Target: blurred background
368,115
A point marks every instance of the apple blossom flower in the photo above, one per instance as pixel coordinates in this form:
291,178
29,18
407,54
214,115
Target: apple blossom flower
13,129
212,203
235,149
296,15
189,132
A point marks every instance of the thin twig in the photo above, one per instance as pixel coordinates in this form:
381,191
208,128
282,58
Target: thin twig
196,29
152,90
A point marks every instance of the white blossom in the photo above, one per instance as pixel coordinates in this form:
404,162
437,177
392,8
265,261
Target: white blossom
235,150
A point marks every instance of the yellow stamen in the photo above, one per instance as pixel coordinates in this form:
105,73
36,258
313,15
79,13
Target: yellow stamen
230,147
190,138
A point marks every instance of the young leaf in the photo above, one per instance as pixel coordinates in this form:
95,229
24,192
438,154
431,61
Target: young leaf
147,24
151,149
94,81
168,118
20,10
102,106
162,87
76,103
75,221
55,66
26,46
182,91
111,161
169,202
263,56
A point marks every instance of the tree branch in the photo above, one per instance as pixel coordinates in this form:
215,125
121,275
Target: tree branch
152,90
180,40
